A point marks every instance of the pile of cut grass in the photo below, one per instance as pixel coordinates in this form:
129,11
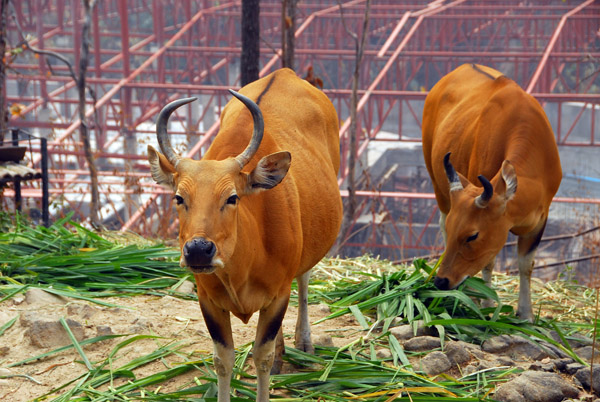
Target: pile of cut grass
69,260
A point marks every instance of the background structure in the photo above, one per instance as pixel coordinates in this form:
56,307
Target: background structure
146,53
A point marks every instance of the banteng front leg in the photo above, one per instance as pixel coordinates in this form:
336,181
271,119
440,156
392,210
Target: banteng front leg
486,274
269,326
218,322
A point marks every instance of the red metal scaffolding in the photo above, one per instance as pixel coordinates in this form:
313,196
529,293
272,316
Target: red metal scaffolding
145,53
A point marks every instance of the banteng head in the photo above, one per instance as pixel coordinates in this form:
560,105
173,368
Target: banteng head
476,225
208,193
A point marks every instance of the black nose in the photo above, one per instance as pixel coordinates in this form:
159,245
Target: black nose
199,252
441,283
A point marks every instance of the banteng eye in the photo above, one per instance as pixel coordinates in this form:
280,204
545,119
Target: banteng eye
178,199
472,237
233,199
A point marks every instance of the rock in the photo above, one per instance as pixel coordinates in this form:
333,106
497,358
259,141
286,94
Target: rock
561,364
586,353
422,343
383,354
405,332
574,367
102,330
82,310
488,364
39,296
470,369
322,340
583,376
435,363
504,361
497,344
48,332
457,352
575,340
514,346
539,366
187,287
324,308
536,386
4,350
140,325
554,351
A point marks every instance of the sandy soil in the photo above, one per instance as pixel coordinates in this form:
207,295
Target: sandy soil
168,317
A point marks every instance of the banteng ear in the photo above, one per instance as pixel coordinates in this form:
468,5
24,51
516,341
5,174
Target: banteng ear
162,171
507,186
269,172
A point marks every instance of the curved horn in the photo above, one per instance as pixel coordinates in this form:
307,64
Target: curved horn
453,178
482,200
161,129
257,134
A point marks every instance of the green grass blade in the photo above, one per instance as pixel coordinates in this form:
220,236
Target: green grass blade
9,324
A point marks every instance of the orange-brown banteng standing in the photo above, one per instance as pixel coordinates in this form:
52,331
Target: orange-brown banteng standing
261,208
482,134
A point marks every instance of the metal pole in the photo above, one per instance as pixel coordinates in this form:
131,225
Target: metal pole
45,191
17,182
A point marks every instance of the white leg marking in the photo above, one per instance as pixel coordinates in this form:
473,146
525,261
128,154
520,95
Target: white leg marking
263,360
224,359
524,310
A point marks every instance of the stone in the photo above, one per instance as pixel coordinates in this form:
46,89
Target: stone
186,287
323,340
575,340
82,310
39,296
504,361
497,344
48,332
516,347
102,330
457,353
422,343
561,364
405,332
539,366
383,354
435,363
554,351
574,367
586,353
324,308
583,376
536,386
140,326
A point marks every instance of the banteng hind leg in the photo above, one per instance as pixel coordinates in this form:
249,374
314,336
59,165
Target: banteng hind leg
302,339
527,246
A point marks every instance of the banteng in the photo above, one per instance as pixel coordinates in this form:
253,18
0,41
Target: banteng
482,134
261,208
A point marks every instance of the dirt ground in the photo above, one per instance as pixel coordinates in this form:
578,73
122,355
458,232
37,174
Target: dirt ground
168,317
